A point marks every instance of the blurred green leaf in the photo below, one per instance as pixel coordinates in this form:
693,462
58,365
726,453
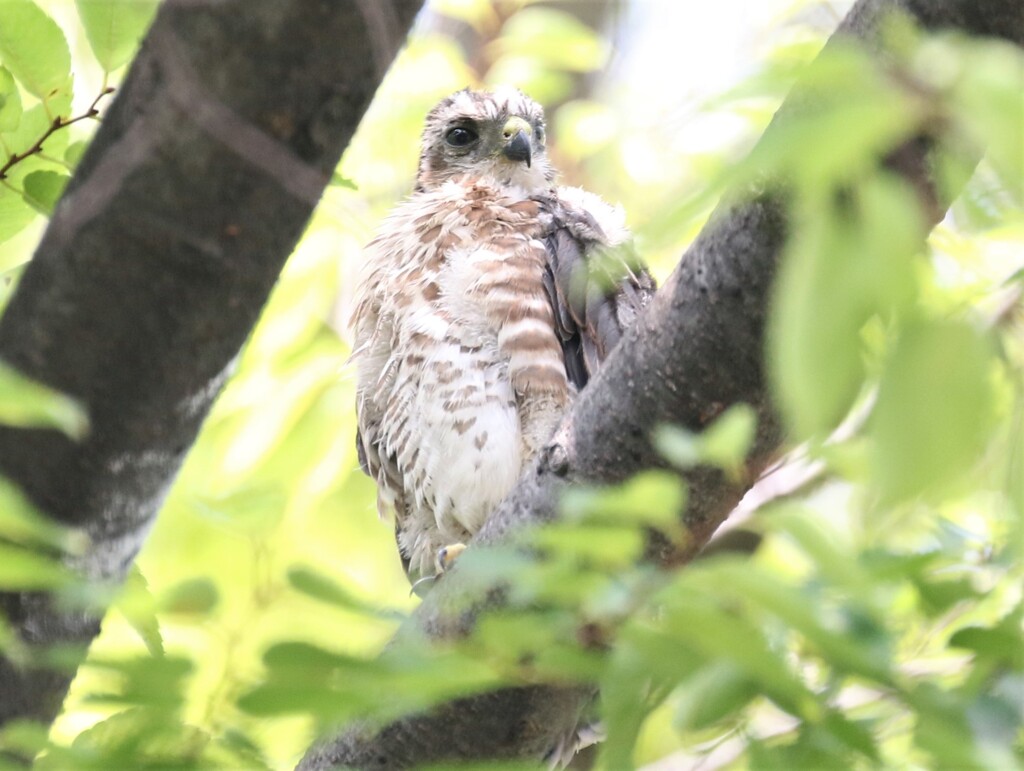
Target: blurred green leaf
713,694
307,678
724,443
1002,644
21,523
138,606
137,738
942,727
843,88
653,498
554,37
10,101
24,738
337,180
987,94
584,127
254,508
114,28
320,587
75,152
840,647
244,750
33,48
15,214
939,596
155,682
713,632
853,734
195,597
43,189
934,408
24,570
27,404
848,261
606,545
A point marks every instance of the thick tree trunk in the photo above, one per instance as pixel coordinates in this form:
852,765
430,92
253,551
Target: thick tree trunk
158,260
698,350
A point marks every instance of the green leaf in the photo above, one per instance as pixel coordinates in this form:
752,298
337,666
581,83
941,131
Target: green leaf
337,180
43,189
848,261
938,597
723,636
27,404
711,695
1002,643
654,498
934,408
851,733
24,737
75,152
319,587
33,48
730,436
610,546
15,215
195,597
554,37
295,657
138,606
22,524
585,127
10,101
114,28
34,124
157,682
142,737
724,443
841,648
989,105
942,726
25,570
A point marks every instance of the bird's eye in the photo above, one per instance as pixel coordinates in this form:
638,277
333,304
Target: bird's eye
460,136
539,134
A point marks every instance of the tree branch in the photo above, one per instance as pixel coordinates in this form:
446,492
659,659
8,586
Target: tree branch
58,123
698,350
158,260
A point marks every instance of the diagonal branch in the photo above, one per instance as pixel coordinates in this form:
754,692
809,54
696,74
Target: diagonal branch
698,350
58,123
158,260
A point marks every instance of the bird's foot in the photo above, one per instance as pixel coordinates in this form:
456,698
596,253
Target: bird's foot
447,555
445,558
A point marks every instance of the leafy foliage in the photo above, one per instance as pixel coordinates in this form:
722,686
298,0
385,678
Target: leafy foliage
879,623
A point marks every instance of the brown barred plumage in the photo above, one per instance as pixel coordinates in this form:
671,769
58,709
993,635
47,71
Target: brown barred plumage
480,314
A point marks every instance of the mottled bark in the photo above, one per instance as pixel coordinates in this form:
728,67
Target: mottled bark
698,350
158,260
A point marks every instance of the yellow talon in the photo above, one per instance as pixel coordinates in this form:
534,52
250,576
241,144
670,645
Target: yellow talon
447,555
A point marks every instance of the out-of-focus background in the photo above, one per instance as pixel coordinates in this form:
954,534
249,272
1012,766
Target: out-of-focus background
649,104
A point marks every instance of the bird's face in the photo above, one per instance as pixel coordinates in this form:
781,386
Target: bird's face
495,136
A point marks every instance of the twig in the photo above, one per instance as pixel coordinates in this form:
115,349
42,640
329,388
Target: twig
58,123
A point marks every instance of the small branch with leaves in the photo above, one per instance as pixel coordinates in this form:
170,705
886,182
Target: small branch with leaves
58,123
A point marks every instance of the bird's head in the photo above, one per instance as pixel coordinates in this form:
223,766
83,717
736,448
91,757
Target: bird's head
495,136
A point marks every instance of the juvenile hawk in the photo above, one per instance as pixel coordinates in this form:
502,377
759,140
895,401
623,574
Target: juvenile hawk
488,298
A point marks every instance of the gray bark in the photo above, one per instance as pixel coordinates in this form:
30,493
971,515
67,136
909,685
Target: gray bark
158,260
698,350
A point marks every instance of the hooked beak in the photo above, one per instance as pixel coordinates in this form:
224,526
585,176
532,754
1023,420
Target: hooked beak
517,140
